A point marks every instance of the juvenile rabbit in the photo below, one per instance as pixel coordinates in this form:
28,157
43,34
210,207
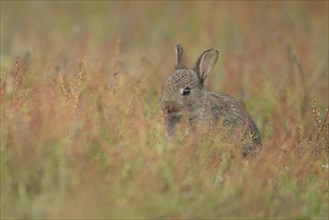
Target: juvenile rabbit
184,90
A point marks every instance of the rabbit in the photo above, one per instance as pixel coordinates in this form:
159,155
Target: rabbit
184,90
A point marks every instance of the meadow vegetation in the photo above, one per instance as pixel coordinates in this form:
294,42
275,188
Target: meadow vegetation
82,132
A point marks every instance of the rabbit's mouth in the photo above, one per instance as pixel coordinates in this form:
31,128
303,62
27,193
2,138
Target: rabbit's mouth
172,116
170,121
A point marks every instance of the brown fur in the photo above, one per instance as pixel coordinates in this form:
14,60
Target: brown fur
212,110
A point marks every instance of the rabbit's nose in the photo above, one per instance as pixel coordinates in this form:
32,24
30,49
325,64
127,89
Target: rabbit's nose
167,106
170,106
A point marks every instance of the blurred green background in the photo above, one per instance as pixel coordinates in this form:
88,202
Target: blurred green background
81,127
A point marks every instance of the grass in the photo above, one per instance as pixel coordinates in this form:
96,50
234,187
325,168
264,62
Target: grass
82,130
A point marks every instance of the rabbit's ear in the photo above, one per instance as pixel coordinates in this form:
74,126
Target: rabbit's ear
206,63
181,61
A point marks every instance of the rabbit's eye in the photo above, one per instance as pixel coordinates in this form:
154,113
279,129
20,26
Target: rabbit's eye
186,91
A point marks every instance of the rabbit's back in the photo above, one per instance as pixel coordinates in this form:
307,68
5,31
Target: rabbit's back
229,114
224,108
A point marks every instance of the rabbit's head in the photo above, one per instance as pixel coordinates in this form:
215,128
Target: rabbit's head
184,89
